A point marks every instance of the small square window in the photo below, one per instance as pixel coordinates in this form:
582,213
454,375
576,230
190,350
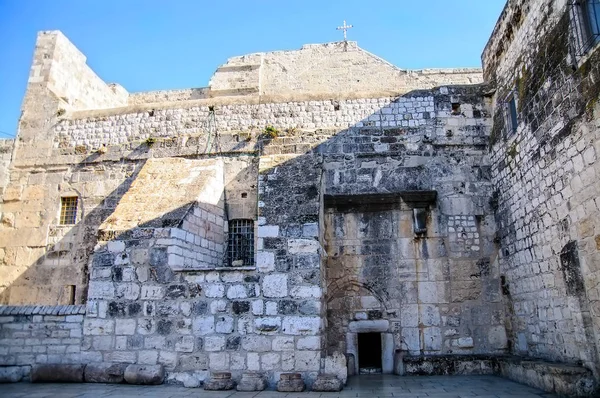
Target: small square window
68,210
240,243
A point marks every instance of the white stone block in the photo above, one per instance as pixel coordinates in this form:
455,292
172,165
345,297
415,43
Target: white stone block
116,246
305,292
428,292
150,292
411,340
307,361
219,361
465,342
268,231
256,343
310,230
283,343
271,308
98,327
309,343
101,290
214,290
379,325
224,324
253,361
148,357
203,325
497,337
432,339
125,326
265,261
237,292
269,361
257,307
296,246
298,325
429,315
217,306
185,344
275,285
214,343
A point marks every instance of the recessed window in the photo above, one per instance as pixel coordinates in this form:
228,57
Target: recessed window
240,243
585,20
456,108
420,220
510,114
68,210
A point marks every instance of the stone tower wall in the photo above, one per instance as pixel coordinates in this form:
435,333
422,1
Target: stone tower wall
546,181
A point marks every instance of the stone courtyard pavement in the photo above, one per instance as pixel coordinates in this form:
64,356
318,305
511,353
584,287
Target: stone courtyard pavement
359,387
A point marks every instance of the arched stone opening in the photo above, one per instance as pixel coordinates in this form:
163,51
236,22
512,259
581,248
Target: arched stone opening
356,326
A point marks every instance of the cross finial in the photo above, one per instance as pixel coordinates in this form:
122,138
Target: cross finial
344,28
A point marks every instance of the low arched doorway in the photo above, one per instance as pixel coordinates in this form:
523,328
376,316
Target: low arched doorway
356,327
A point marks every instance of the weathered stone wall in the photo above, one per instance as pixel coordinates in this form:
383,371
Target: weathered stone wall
545,180
435,293
60,66
41,334
6,150
341,68
144,199
121,126
43,260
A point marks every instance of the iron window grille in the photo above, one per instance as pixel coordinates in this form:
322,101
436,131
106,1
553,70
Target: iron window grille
585,24
240,243
68,210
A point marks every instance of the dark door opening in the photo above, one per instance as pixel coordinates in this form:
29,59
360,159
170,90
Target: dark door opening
369,353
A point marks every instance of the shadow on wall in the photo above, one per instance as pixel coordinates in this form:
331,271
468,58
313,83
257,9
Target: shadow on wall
417,142
59,274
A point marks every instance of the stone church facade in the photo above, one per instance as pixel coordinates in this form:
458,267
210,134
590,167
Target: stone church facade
315,211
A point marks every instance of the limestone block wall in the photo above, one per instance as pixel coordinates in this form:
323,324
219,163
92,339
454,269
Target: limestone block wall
40,334
340,67
192,322
121,126
439,295
6,150
545,181
62,67
44,262
436,293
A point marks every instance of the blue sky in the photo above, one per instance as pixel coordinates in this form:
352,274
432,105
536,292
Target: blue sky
152,45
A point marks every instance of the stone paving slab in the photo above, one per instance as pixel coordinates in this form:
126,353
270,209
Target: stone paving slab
358,387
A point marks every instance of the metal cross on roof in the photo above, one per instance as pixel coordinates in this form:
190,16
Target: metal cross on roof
344,28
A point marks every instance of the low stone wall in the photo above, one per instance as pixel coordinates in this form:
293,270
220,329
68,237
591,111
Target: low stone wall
40,334
559,378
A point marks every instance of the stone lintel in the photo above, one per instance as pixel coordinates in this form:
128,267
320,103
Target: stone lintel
384,200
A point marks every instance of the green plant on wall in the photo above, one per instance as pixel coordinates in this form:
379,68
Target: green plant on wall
270,132
513,151
150,141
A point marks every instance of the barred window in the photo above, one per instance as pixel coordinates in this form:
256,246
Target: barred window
68,210
240,243
585,23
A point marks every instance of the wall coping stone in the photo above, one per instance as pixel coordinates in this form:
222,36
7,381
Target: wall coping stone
42,310
198,269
